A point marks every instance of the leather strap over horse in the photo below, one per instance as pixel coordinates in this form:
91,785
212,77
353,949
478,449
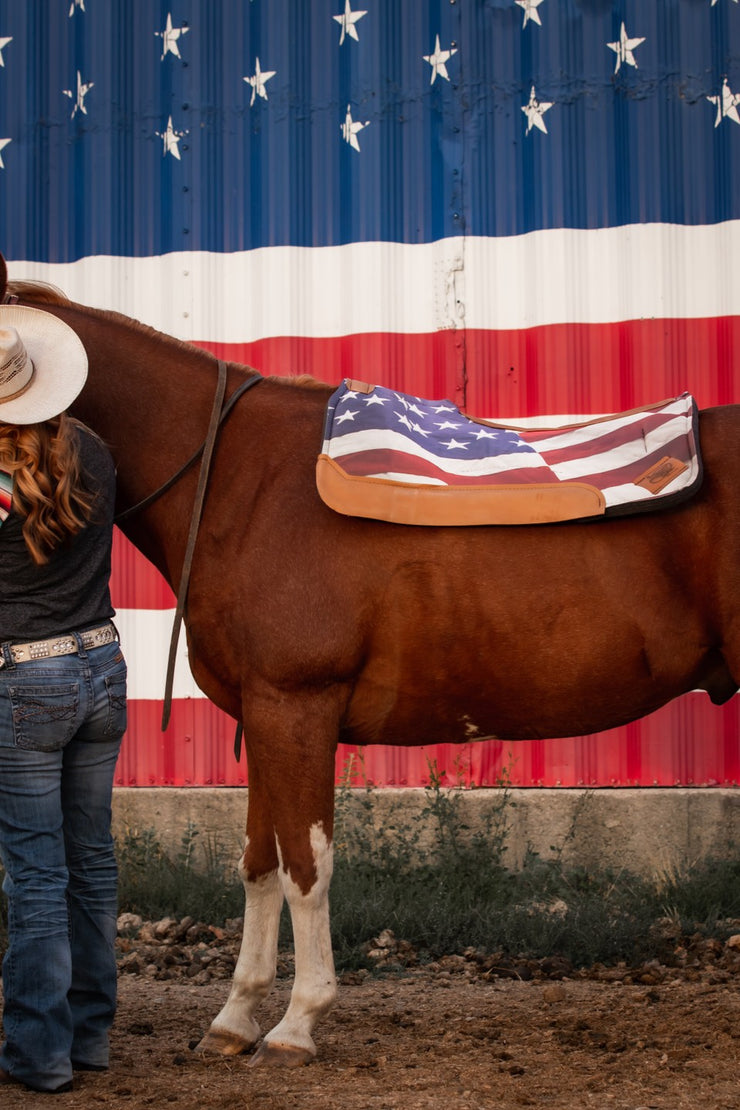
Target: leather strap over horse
223,413
219,413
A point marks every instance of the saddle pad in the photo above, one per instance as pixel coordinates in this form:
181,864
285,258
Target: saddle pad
394,457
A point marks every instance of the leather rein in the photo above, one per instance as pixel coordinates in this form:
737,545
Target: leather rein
223,413
219,412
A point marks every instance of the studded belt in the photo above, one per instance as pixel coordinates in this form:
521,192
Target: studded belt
64,644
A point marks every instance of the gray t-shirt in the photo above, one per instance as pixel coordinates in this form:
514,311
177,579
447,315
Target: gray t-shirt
71,591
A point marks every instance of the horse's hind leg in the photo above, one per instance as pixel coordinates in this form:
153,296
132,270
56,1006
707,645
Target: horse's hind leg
235,1029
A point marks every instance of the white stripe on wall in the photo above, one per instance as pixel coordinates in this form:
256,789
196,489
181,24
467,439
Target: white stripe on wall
145,639
556,276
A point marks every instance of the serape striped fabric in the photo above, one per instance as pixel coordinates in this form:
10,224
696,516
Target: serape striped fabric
6,494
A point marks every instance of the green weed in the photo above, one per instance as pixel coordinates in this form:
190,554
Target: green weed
444,887
200,884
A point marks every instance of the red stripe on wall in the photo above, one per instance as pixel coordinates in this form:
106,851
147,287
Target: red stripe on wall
601,368
557,368
134,582
690,742
423,364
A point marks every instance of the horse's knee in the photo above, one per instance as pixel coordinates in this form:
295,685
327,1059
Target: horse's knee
306,875
258,860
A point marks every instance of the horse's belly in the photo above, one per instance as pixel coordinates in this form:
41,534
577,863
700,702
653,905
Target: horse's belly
424,691
550,645
482,705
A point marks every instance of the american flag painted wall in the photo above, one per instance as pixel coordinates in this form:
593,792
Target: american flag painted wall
527,206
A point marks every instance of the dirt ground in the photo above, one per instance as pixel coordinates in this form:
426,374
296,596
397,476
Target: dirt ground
439,1038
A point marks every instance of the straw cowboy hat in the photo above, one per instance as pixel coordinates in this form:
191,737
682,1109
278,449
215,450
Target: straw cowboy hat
43,365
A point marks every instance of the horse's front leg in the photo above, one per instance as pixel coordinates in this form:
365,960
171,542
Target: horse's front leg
314,990
235,1029
296,757
291,743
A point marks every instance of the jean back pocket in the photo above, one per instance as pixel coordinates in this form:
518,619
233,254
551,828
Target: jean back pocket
117,705
44,717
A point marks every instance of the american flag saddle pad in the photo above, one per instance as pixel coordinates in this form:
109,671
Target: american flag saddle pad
391,456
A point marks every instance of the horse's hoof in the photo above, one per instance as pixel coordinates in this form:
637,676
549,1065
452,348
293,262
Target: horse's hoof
219,1042
281,1055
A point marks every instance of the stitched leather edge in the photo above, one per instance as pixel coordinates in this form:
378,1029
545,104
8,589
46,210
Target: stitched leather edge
398,503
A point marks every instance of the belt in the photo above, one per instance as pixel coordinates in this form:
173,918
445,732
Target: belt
63,644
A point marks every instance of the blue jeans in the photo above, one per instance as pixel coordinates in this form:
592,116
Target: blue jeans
61,723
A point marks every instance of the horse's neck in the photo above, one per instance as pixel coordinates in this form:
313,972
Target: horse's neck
149,398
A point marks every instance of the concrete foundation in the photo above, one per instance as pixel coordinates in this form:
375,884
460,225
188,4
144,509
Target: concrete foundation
651,832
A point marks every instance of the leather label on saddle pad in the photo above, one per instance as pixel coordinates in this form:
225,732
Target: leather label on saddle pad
656,477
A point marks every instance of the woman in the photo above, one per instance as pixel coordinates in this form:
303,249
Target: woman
62,711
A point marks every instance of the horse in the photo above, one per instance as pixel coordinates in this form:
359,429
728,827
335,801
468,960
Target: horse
312,627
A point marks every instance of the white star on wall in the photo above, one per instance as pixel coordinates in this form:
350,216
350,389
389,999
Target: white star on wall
258,81
76,4
623,49
715,1
169,37
3,144
347,23
79,95
3,44
171,140
534,111
351,129
437,61
726,103
530,11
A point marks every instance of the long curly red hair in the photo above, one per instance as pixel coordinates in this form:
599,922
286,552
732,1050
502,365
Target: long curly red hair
48,487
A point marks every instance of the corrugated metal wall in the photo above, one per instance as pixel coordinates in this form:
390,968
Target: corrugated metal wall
529,206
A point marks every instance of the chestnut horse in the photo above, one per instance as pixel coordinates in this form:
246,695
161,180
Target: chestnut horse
313,628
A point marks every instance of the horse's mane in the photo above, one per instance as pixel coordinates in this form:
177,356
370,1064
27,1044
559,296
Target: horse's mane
304,381
42,292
